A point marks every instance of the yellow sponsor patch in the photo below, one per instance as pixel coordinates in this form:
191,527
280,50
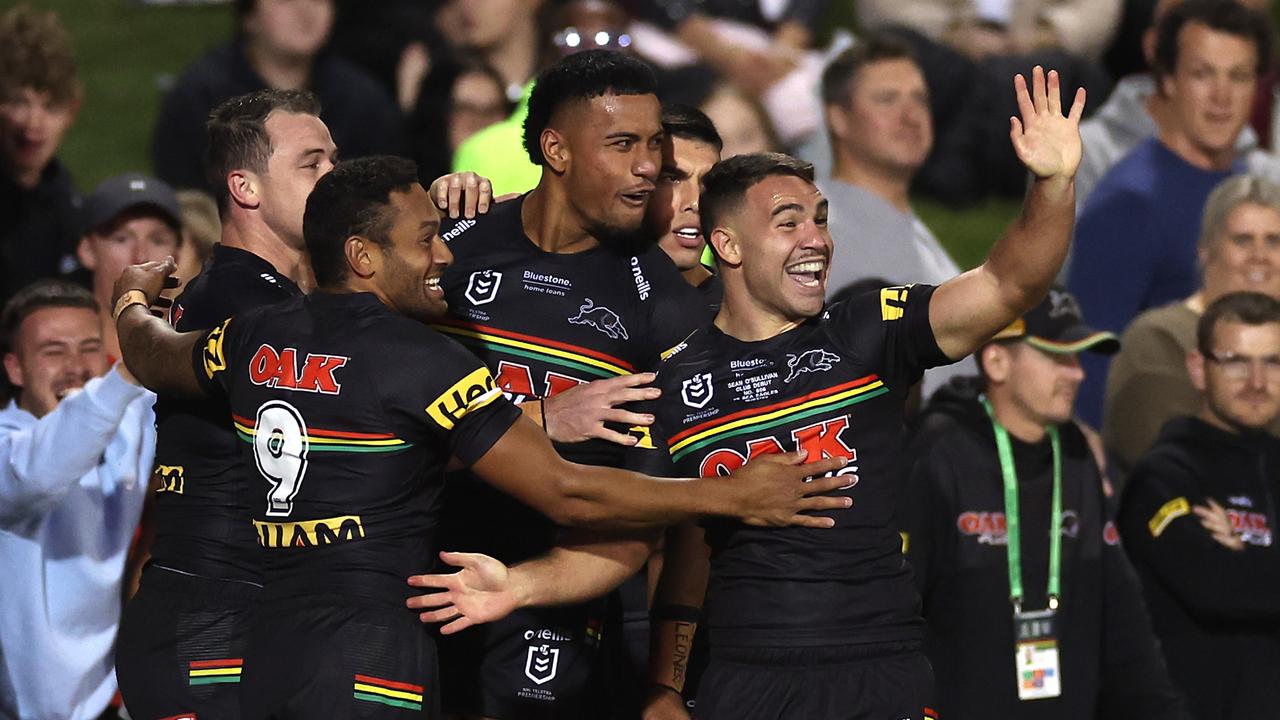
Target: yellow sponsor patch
170,477
466,396
906,542
641,433
214,359
1167,513
309,533
893,302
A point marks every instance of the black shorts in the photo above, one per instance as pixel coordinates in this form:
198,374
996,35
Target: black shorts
310,660
821,683
181,646
535,663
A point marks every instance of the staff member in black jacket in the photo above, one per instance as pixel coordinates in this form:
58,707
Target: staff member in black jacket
1033,610
1199,515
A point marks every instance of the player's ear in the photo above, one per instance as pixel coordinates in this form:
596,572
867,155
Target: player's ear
13,369
1195,368
554,149
85,254
727,246
242,185
360,257
996,361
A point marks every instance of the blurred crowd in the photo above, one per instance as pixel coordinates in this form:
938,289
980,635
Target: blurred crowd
1177,208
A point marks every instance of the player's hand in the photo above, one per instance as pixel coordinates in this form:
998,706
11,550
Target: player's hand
1214,518
772,491
482,591
580,413
462,194
664,704
151,278
1045,141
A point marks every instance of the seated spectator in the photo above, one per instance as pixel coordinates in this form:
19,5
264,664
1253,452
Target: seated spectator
201,230
1199,517
1135,243
277,45
1004,484
458,99
877,114
128,219
1135,112
77,445
1148,384
967,50
39,98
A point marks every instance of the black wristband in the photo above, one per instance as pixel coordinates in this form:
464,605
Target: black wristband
678,613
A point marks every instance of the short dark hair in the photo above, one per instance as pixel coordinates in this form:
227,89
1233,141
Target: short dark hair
36,52
690,123
582,76
236,134
352,200
1226,16
872,48
37,296
1248,308
729,180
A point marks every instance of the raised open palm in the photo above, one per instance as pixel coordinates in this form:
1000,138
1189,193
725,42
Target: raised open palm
1047,142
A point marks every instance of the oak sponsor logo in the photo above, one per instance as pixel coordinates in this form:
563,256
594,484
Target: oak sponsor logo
469,394
820,441
989,528
309,533
170,479
215,361
1251,527
279,369
1110,535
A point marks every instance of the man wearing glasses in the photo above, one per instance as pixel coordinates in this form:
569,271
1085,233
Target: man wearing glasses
1199,514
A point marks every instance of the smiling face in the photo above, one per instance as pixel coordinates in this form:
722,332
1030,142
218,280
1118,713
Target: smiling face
32,125
407,270
609,149
673,210
777,239
1211,90
56,350
1246,255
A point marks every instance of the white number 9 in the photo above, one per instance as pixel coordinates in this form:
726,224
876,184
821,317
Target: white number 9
280,448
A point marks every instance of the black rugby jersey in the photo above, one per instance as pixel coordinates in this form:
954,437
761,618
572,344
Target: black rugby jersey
200,519
545,322
346,413
836,385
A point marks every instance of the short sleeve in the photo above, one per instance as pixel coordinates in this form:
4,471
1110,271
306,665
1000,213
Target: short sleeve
890,328
210,354
456,399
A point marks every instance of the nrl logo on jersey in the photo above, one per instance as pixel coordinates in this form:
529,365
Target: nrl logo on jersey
810,361
697,390
482,287
601,318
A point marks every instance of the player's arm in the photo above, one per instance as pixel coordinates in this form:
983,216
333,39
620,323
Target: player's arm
583,565
156,354
677,605
770,491
967,310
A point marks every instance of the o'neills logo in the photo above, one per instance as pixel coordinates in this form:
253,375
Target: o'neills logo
642,286
309,533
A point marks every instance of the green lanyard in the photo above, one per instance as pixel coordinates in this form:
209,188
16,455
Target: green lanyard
1014,527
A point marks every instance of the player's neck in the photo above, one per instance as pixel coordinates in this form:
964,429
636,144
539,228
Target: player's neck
551,223
741,317
889,185
266,244
1197,155
696,275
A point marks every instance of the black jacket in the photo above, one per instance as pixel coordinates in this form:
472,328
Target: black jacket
39,229
953,517
1217,611
361,116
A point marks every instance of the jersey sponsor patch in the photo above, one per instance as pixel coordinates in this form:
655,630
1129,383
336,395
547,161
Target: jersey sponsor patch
215,361
469,394
171,478
644,440
893,302
280,369
309,533
1167,513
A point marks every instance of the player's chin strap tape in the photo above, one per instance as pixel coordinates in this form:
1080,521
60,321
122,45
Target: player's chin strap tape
677,613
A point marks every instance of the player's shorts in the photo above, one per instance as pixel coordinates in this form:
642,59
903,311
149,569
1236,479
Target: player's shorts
181,646
309,659
819,683
535,663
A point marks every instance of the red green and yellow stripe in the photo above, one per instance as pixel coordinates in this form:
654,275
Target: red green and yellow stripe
388,692
213,672
771,416
535,348
333,440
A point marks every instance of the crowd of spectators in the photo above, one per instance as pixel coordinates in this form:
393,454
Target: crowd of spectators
1177,212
